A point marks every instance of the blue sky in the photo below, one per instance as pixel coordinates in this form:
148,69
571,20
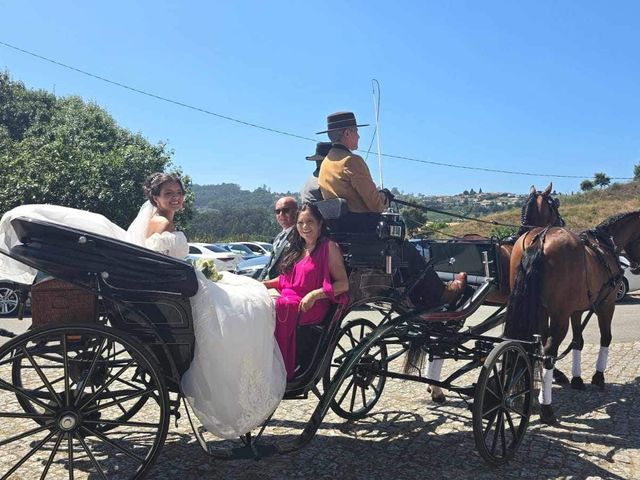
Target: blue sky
548,87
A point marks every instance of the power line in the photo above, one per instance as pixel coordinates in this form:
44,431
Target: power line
282,132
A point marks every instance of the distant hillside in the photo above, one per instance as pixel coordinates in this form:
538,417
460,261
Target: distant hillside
225,212
581,211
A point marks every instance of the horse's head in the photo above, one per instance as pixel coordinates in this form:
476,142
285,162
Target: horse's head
624,230
541,209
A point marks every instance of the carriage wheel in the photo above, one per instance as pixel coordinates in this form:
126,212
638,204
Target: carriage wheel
361,391
89,401
502,402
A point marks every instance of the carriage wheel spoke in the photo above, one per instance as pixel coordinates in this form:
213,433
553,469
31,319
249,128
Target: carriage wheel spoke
54,450
354,342
491,410
83,382
498,380
42,376
28,455
353,397
489,425
26,434
517,412
346,391
93,460
503,438
109,382
115,396
122,424
518,377
118,401
113,444
364,398
65,360
33,416
70,447
496,433
511,425
24,393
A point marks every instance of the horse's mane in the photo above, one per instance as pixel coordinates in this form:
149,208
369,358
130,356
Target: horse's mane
524,213
616,218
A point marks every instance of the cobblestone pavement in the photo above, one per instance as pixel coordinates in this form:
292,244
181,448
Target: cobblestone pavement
407,436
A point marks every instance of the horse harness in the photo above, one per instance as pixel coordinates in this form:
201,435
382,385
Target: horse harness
600,242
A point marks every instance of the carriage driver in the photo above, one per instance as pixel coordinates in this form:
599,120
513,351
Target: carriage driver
344,174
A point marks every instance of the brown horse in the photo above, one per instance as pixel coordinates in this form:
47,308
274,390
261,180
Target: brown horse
557,275
540,209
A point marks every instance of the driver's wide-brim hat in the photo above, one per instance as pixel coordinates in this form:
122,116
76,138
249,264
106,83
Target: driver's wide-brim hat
340,120
322,150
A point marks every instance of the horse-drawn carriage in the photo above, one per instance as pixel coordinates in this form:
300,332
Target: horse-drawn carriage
96,395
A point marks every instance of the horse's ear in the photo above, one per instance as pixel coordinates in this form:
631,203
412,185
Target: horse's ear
547,190
532,190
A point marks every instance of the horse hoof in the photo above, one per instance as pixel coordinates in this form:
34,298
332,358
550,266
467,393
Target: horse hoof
577,383
598,380
547,416
438,397
559,377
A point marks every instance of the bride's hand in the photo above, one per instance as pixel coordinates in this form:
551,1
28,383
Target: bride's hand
307,301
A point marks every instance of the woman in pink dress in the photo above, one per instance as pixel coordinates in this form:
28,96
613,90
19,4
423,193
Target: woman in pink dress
312,276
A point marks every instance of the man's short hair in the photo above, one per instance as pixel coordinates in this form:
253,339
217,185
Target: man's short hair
336,135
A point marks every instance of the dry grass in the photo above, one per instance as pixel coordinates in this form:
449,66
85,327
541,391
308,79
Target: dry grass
581,211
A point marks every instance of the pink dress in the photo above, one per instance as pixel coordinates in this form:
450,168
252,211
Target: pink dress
309,273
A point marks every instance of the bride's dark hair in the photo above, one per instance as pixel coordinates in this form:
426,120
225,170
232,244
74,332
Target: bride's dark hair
153,183
296,243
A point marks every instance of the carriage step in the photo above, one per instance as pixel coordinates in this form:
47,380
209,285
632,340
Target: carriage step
296,395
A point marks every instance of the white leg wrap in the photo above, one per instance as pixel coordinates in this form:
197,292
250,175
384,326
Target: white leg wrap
603,357
434,369
576,368
545,389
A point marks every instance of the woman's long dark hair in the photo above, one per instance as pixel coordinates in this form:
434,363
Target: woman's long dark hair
296,243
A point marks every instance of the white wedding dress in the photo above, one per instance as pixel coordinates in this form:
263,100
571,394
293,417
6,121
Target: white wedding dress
237,377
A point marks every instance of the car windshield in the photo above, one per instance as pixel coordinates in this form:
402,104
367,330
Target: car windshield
234,247
216,248
267,246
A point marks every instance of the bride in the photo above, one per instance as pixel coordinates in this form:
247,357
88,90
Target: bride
237,377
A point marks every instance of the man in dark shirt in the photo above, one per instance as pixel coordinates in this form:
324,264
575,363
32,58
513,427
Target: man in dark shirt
311,190
285,211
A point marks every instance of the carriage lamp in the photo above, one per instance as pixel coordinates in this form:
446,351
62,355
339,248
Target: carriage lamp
390,226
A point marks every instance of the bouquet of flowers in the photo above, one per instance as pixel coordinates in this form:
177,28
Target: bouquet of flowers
208,268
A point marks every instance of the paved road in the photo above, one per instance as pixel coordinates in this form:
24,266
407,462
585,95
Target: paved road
409,437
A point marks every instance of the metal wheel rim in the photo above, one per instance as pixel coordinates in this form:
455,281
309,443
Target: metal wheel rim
8,301
62,433
502,403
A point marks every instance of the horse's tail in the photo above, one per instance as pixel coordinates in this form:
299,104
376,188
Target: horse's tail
524,300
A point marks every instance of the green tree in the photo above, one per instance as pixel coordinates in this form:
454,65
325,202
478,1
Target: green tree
601,179
586,185
69,152
636,172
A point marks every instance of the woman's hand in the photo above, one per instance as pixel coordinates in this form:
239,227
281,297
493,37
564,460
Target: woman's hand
308,300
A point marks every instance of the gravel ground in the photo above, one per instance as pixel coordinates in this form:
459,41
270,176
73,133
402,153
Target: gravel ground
408,436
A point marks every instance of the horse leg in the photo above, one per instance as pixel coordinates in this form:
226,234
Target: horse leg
433,373
605,315
558,327
576,353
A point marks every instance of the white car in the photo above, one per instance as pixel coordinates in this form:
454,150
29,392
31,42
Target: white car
259,248
630,282
224,260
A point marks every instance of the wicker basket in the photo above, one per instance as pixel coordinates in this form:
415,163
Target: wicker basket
56,301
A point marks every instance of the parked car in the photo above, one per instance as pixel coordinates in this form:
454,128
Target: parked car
630,281
223,259
252,267
243,250
10,298
259,248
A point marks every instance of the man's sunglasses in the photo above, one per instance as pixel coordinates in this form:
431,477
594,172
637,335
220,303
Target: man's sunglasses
284,210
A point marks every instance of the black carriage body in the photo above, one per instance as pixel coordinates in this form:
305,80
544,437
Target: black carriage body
143,293
477,258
